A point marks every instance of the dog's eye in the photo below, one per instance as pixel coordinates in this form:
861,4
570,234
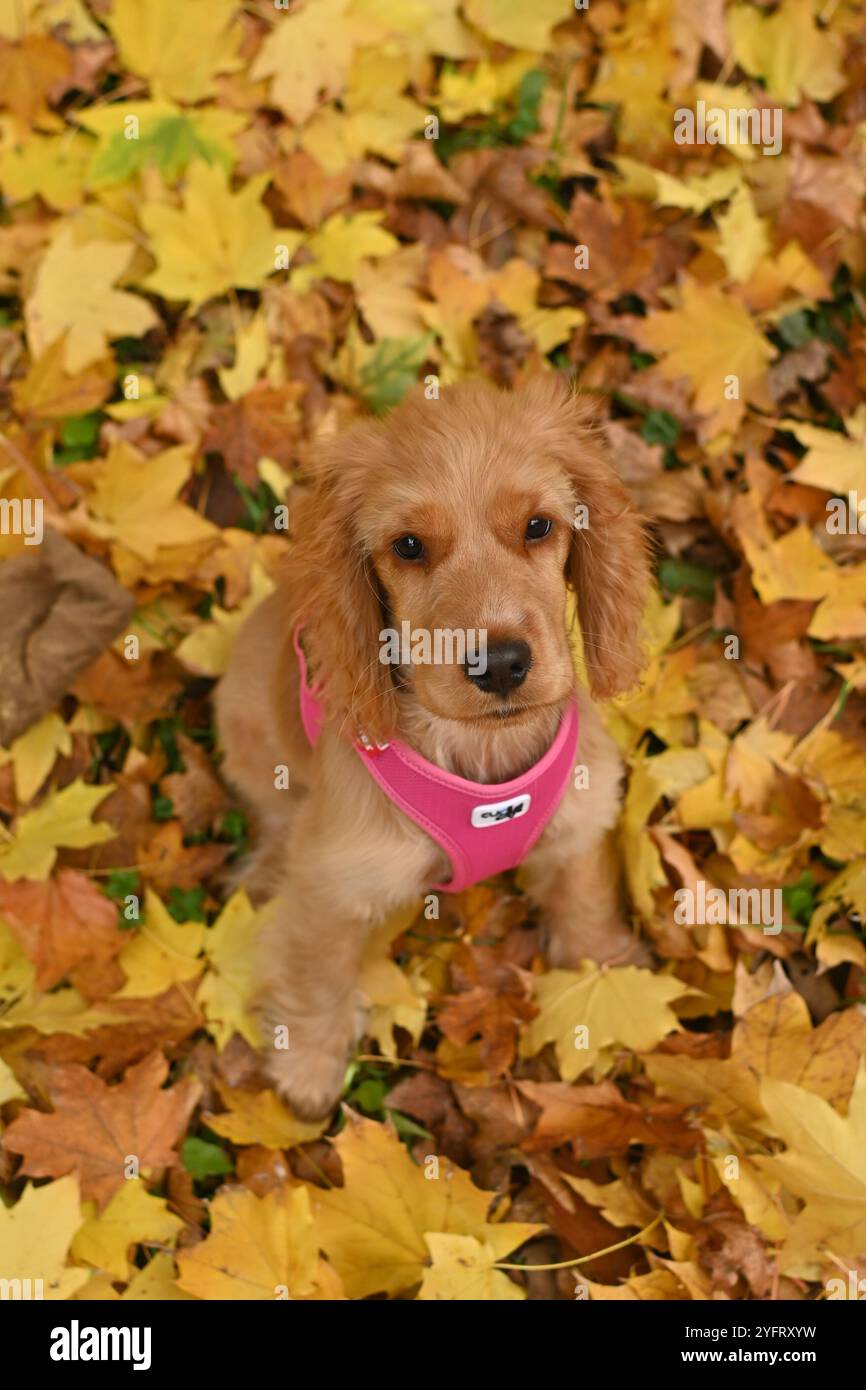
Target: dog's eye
408,548
538,527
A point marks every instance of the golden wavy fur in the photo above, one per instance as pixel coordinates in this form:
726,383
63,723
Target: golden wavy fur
464,475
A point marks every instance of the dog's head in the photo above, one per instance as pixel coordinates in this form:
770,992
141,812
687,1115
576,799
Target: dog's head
434,552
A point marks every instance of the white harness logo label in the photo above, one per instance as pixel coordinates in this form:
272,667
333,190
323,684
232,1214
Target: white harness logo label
499,811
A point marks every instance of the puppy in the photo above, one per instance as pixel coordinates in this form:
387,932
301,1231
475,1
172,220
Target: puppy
474,512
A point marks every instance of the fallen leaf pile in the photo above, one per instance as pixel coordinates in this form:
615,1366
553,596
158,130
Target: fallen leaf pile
227,230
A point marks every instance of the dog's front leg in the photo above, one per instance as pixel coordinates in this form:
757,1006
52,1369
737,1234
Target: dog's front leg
581,902
308,955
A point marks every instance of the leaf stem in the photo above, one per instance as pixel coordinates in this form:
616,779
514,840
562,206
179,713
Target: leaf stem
596,1254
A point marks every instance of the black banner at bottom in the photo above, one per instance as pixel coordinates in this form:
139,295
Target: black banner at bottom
68,1340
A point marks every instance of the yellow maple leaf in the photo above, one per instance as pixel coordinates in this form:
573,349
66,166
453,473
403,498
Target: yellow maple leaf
824,1164
63,818
162,952
695,193
795,566
396,997
753,758
225,991
179,49
34,754
73,294
481,90
251,356
609,1005
156,1283
834,461
379,117
516,285
373,1228
518,24
659,1286
216,240
35,1236
462,1268
62,1011
259,1248
53,167
634,70
207,650
712,341
134,500
388,293
132,1217
306,56
260,1117
788,50
743,236
618,1203
341,245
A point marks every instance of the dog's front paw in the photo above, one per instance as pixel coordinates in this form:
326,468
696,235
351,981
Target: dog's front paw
610,944
310,1080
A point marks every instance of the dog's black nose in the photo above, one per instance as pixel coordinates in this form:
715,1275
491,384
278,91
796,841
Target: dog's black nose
506,668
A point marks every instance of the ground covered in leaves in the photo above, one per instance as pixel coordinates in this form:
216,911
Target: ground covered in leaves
224,232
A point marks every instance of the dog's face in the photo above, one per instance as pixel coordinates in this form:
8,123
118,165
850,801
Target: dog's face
470,553
435,553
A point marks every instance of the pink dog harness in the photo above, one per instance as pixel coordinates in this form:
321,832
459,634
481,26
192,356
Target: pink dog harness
483,827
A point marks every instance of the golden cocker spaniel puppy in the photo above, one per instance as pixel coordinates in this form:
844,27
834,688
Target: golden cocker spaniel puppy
471,514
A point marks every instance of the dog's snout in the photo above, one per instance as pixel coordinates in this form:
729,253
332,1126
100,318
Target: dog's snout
507,667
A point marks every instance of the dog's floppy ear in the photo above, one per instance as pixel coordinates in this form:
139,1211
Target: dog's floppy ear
332,590
608,563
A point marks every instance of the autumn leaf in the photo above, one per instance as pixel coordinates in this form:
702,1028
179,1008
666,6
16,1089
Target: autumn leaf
217,239
226,989
34,753
512,23
307,55
788,49
35,1236
259,1248
822,1165
598,1121
162,953
373,1228
60,923
74,298
62,819
132,1217
833,461
260,1117
341,246
585,1012
179,52
96,1131
462,1268
135,501
713,342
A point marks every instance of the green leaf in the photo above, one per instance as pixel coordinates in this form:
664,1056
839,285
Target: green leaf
391,370
683,577
186,905
162,808
529,95
171,145
205,1160
660,427
795,329
799,898
79,437
406,1128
